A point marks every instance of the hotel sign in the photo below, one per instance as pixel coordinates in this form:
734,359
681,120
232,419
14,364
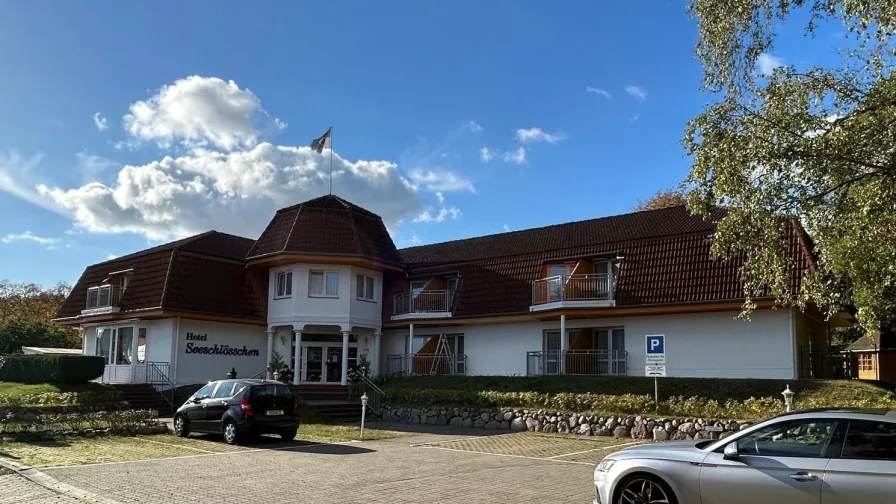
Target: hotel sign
194,348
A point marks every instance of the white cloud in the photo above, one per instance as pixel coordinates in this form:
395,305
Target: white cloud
100,121
431,216
439,180
598,91
29,236
474,126
485,155
636,92
533,135
767,63
92,166
506,228
200,111
517,156
14,169
440,197
236,192
111,256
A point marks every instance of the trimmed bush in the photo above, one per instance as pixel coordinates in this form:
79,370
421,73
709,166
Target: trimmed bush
64,369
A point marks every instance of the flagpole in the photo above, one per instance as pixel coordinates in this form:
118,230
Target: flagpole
331,160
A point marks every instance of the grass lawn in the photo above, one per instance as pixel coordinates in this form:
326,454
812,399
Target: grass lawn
52,394
4,471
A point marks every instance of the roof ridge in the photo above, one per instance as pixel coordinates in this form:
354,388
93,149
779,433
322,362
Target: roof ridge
167,276
291,228
544,227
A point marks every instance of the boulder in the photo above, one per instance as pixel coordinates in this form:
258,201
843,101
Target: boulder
573,421
660,434
456,421
584,429
600,430
518,425
505,425
508,416
493,425
562,427
688,428
531,423
680,435
639,431
466,422
611,423
621,432
479,423
485,417
465,415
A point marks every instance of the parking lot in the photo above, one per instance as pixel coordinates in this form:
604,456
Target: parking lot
421,467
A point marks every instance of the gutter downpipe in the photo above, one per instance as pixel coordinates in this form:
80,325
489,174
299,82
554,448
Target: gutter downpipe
175,346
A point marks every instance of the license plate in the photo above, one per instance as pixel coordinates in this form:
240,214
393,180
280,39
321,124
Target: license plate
275,412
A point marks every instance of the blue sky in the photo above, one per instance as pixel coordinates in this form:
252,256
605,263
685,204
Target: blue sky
128,124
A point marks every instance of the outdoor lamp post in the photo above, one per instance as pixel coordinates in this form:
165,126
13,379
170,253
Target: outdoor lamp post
363,413
788,398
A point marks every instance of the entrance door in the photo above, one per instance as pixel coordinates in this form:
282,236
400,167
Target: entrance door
334,364
313,358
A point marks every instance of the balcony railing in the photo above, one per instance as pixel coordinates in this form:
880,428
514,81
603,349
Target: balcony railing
428,301
427,364
103,296
592,287
577,362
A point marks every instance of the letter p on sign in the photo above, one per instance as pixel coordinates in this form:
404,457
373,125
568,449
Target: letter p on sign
656,348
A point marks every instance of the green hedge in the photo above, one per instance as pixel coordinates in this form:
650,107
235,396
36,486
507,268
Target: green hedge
64,369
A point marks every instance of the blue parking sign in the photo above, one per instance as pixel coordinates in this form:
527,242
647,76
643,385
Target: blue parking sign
656,349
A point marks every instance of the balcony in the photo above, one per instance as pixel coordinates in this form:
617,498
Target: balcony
102,299
422,304
577,362
426,364
573,291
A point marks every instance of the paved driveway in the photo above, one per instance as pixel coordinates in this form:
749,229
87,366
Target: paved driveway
413,469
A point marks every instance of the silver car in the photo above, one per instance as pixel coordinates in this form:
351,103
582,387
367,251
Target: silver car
807,457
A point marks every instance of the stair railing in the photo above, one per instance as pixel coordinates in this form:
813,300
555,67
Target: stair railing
157,374
375,395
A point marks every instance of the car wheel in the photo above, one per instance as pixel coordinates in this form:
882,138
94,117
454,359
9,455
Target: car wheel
180,426
289,435
231,432
645,489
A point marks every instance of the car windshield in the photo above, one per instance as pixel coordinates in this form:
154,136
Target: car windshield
271,390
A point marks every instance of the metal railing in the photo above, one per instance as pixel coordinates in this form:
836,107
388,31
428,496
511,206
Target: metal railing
428,301
103,296
591,287
427,364
375,395
577,362
157,374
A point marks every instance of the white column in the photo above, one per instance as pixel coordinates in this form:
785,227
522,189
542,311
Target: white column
345,335
564,344
270,352
297,355
376,354
410,346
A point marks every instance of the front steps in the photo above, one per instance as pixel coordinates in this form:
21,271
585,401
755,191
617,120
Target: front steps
144,396
331,400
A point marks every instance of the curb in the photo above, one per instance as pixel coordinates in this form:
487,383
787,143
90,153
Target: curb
50,483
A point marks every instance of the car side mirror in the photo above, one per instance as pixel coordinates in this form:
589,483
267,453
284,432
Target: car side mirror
196,400
731,452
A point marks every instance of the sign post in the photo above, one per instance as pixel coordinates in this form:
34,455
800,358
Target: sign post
655,362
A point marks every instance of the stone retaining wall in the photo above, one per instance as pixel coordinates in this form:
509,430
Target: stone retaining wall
635,427
55,410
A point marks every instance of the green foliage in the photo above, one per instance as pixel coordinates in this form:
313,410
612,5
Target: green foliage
809,145
277,363
122,422
686,397
67,369
16,333
29,301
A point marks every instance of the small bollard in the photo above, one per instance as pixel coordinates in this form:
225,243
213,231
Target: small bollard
788,398
363,413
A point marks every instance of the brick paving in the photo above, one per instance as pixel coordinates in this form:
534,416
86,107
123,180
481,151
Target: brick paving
394,471
442,467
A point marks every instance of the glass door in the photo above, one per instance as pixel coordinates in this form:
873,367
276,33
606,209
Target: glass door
334,364
313,357
557,275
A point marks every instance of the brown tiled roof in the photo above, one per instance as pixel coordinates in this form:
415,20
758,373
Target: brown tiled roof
327,225
205,273
666,260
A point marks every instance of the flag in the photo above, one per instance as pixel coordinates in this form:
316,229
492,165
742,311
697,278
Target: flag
322,142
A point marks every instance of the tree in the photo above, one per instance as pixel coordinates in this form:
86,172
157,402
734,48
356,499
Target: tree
29,301
663,199
813,145
16,333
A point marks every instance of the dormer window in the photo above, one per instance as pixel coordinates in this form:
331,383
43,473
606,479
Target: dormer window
284,284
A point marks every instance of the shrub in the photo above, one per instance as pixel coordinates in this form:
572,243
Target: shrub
64,369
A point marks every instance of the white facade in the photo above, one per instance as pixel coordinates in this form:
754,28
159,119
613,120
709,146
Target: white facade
697,345
185,351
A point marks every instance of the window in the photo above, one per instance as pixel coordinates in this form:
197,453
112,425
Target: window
124,345
224,390
870,441
417,287
324,284
866,362
797,438
611,339
205,392
271,390
141,345
104,343
284,284
364,288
